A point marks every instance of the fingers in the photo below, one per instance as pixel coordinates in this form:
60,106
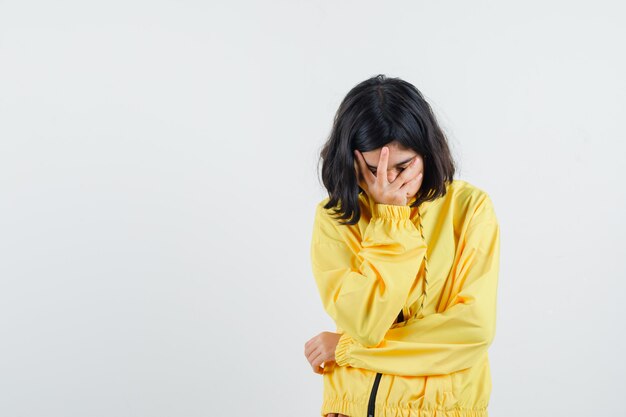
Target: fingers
317,360
320,350
411,172
360,162
357,170
310,345
365,174
383,161
413,185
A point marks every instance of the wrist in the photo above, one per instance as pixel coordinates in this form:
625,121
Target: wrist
391,211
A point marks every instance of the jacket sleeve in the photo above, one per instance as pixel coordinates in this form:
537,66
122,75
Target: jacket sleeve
364,282
449,341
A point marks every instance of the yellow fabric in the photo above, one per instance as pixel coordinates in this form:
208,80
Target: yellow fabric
435,363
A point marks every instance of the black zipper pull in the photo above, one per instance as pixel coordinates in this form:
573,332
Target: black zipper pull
400,318
372,402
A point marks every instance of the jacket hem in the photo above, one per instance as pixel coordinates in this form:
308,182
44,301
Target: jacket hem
359,409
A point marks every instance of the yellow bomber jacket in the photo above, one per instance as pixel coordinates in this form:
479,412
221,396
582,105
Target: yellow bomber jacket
412,292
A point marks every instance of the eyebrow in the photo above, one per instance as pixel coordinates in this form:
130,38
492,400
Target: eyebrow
399,163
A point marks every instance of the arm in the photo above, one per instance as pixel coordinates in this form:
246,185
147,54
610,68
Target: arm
454,339
364,283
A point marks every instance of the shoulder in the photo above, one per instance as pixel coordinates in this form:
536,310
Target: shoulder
329,213
472,201
321,210
326,229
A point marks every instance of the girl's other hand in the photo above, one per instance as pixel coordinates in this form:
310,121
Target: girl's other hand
320,349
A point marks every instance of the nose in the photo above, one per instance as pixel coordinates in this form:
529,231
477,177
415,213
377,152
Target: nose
391,176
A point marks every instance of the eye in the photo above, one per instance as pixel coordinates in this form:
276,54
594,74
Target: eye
373,171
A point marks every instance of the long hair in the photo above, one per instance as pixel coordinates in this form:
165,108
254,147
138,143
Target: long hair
374,113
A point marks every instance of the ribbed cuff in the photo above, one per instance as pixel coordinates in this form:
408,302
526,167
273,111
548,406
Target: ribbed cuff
342,351
391,211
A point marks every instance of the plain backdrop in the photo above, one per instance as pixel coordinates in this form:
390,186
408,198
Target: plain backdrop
158,183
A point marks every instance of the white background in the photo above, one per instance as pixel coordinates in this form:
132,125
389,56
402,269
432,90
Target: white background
158,181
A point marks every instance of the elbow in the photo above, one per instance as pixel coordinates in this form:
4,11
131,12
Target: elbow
487,334
489,327
482,324
490,334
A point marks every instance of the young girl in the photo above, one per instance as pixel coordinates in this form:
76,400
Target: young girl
406,259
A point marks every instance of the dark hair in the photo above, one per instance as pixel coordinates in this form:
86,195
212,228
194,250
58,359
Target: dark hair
374,113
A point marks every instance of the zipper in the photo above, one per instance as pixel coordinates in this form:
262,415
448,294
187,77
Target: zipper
372,402
400,318
371,405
